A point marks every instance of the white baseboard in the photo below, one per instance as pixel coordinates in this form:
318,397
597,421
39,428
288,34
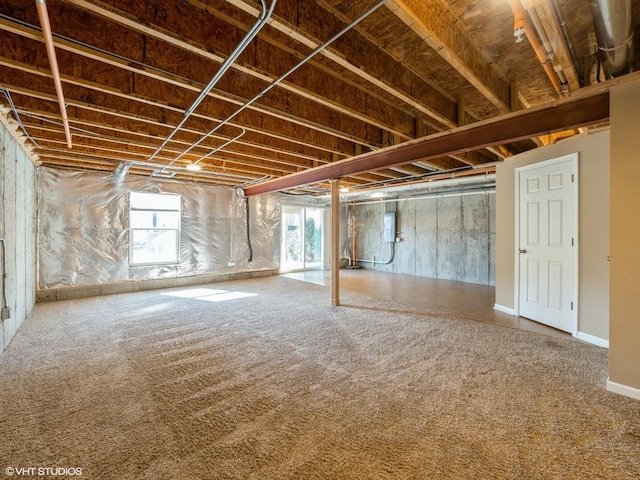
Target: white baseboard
623,389
503,309
586,337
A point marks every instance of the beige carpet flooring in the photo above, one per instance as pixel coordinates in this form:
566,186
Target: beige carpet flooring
262,379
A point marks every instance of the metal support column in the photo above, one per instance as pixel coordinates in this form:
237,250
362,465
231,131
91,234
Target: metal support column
335,242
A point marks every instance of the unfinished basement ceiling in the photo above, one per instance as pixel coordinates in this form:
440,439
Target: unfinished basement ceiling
131,70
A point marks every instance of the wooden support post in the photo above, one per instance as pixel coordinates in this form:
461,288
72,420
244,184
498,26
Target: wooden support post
421,126
587,66
335,242
515,101
462,113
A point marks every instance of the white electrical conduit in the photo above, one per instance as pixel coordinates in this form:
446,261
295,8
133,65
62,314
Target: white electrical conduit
281,78
262,20
53,61
217,149
257,180
123,167
378,262
12,105
4,272
546,43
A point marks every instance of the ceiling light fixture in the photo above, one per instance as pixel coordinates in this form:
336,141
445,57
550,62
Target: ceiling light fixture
194,167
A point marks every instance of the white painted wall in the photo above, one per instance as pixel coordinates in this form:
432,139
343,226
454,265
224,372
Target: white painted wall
593,168
17,227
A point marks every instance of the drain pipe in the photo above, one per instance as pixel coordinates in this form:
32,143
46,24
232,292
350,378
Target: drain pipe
281,78
251,34
43,14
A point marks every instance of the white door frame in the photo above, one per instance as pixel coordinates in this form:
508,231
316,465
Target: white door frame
573,158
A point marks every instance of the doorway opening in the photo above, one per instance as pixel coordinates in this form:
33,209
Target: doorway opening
302,239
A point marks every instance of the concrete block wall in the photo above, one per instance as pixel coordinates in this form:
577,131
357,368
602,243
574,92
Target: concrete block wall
17,228
448,237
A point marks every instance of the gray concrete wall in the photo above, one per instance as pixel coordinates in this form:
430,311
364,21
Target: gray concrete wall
449,237
17,228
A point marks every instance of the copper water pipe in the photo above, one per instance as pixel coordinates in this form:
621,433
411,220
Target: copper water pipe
547,64
53,61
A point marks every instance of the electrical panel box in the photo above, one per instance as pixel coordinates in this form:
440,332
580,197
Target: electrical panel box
389,227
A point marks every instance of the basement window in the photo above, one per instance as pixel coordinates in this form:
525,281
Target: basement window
154,226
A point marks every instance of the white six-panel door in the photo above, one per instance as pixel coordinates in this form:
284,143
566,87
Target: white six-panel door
547,242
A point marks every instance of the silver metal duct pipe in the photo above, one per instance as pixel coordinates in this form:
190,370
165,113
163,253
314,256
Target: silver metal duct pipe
613,22
280,79
121,171
244,43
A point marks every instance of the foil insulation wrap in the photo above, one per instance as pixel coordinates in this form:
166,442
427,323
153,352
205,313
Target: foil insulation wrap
83,229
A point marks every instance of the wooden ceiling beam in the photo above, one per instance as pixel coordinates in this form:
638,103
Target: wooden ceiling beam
411,170
265,166
145,92
290,160
88,156
416,92
139,153
339,104
94,165
152,112
440,29
137,156
249,149
119,112
121,145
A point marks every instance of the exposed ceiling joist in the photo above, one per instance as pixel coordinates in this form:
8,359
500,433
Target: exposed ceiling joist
553,30
411,69
430,102
433,21
587,109
115,15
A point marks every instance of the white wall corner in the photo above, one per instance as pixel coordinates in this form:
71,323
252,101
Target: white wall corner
586,337
503,309
623,389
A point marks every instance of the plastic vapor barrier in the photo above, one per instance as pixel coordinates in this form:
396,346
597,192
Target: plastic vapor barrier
83,229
